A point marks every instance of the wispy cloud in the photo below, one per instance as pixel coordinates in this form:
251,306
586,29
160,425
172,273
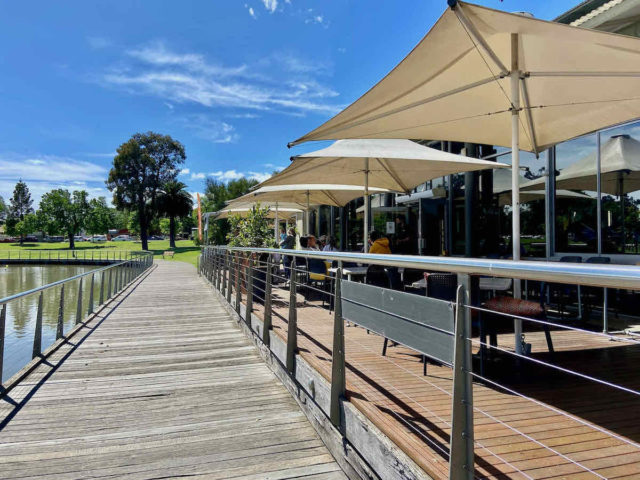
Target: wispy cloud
228,175
284,84
251,11
209,129
184,171
197,176
99,42
270,5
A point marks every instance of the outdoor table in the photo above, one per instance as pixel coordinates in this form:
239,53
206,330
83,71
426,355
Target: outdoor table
350,271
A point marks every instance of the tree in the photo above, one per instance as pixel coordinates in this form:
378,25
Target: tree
174,202
67,212
253,230
27,225
19,206
140,168
100,217
3,210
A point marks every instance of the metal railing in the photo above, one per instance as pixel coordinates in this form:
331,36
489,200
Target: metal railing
439,329
55,311
90,254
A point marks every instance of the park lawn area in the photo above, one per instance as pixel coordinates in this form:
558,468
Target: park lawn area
185,250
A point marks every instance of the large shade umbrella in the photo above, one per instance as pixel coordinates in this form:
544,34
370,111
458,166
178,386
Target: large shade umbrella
502,188
277,210
243,211
490,77
398,165
307,195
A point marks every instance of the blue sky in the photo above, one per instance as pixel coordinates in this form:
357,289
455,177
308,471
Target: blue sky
233,80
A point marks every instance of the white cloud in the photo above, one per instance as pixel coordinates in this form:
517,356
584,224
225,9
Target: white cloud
50,168
252,12
197,176
270,5
227,175
209,129
184,171
290,86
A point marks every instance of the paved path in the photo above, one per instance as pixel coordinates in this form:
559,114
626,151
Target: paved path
164,385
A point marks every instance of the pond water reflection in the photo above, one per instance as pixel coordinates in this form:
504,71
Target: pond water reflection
21,313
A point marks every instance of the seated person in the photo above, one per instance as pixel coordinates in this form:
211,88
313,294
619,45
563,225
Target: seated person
304,243
289,242
378,243
311,244
330,244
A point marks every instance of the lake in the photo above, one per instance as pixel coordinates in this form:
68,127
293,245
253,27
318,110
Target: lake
21,313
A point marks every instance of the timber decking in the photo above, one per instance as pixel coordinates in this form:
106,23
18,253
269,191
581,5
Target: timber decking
161,384
415,410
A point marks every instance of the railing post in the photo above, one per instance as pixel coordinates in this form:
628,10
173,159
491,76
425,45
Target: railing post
79,306
249,308
3,319
292,329
229,280
461,456
102,288
238,284
90,308
220,267
338,381
109,284
37,335
60,325
266,327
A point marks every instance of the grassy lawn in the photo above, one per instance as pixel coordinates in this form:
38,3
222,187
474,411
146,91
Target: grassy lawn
185,250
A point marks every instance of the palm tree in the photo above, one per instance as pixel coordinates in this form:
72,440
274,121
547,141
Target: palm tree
174,202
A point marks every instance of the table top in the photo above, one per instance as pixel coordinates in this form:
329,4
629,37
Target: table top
485,283
350,270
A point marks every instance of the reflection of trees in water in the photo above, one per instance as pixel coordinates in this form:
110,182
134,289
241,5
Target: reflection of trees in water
21,313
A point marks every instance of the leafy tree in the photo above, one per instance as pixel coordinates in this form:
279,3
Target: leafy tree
100,217
164,226
251,231
19,206
142,165
216,195
3,210
175,202
27,225
67,212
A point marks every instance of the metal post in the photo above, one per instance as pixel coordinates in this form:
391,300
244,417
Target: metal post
367,206
549,200
292,337
109,284
599,192
90,308
79,305
102,288
37,335
60,326
3,319
219,259
229,280
461,459
249,309
338,381
266,327
238,292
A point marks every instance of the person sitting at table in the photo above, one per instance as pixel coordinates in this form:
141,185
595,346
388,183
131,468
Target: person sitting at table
378,243
311,243
304,242
330,244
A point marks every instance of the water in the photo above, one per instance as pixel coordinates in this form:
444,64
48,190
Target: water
21,313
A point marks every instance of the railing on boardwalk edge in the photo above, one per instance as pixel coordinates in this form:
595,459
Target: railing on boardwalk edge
90,254
94,289
405,318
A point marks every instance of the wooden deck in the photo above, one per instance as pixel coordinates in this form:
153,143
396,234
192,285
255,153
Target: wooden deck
161,384
516,437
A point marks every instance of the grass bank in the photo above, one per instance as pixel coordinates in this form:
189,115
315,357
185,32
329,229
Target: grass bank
185,250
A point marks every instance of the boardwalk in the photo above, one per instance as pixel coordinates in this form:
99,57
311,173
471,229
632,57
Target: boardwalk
163,385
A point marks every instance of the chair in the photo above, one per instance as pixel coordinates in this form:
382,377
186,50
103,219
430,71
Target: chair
595,295
562,292
393,275
442,286
411,275
317,274
377,276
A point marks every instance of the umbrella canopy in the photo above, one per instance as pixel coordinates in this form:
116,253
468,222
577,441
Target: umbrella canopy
321,194
620,169
455,84
243,211
398,165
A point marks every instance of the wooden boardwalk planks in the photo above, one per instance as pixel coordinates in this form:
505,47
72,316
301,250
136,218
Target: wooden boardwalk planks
163,385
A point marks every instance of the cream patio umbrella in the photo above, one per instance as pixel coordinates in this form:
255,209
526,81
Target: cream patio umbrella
397,165
490,77
502,188
277,210
306,195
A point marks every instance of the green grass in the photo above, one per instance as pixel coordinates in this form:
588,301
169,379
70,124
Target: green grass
185,250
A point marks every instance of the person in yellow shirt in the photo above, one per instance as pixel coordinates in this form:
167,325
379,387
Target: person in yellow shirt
378,243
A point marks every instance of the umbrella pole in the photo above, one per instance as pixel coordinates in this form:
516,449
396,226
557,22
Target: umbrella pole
621,191
306,223
598,194
366,205
276,226
515,177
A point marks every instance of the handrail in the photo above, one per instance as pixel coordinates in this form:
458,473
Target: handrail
59,282
612,276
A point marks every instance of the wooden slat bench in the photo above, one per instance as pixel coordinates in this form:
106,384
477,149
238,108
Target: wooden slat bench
168,253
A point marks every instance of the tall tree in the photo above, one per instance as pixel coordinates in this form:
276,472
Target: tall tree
100,217
174,202
141,166
67,212
19,206
3,210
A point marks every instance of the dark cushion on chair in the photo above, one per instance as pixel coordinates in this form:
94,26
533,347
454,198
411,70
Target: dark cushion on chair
515,306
